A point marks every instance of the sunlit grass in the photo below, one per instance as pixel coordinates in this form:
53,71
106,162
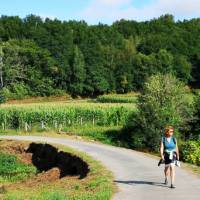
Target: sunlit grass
12,170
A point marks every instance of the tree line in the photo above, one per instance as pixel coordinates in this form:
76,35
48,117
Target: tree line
42,57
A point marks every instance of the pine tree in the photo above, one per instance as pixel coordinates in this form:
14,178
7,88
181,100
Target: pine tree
78,74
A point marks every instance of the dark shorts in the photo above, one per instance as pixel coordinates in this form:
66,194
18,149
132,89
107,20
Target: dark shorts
168,160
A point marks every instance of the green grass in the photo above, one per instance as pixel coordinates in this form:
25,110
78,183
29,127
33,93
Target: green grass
11,170
104,134
56,195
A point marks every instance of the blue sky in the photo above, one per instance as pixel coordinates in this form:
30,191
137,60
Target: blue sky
104,11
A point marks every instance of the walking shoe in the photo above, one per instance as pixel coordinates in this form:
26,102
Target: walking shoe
166,181
173,186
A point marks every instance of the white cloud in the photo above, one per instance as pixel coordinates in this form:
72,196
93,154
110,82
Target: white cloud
112,10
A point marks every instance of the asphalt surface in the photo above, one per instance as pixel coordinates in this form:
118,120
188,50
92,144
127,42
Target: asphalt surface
137,176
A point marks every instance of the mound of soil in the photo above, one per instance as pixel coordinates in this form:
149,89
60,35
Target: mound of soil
46,157
51,163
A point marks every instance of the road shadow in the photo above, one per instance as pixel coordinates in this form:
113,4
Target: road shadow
132,182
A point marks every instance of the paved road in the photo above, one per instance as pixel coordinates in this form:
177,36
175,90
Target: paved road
137,176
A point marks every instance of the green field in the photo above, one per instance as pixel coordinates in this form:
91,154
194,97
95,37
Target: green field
56,115
86,118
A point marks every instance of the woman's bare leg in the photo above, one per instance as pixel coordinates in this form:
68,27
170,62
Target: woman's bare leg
172,173
167,171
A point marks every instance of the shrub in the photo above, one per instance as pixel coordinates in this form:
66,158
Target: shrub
163,101
190,152
6,92
59,92
195,125
3,97
19,91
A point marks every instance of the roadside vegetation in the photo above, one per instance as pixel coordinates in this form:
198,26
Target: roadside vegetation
98,184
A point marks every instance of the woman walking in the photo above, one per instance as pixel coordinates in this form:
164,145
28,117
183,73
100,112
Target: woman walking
169,153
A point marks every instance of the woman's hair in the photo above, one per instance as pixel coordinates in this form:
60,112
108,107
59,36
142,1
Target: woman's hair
167,129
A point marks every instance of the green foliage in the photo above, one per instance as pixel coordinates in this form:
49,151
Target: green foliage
195,124
3,97
78,72
15,91
190,152
148,65
163,102
96,78
26,66
47,55
19,91
183,68
58,92
12,170
6,93
116,98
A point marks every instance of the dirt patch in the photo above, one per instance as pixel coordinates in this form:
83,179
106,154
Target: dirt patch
18,149
51,163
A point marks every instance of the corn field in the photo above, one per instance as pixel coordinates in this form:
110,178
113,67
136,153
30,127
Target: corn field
62,114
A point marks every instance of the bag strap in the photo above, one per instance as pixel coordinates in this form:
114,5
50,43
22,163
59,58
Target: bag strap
164,140
174,139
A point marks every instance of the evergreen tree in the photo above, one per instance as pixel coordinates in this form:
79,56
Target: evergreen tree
78,74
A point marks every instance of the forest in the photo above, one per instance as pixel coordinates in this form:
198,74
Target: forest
43,57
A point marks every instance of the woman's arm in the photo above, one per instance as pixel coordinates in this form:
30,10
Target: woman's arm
161,150
177,150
